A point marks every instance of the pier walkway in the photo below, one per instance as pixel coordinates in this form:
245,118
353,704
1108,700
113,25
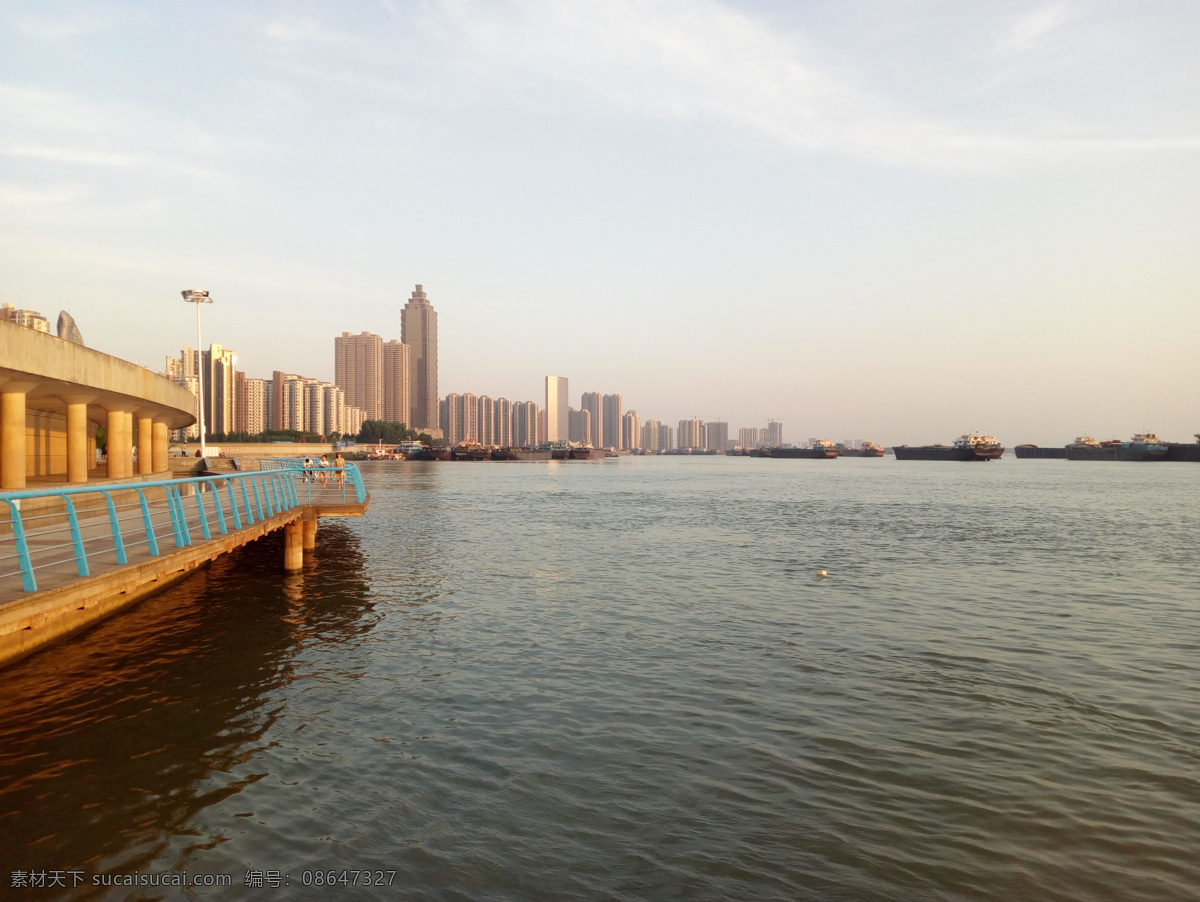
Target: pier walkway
70,555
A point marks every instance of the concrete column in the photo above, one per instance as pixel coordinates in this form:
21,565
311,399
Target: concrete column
145,445
310,534
120,444
160,446
12,438
293,547
77,441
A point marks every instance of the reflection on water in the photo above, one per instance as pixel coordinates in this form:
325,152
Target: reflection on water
625,680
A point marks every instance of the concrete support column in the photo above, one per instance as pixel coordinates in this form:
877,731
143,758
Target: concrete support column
310,534
145,445
161,443
293,547
12,438
120,444
77,441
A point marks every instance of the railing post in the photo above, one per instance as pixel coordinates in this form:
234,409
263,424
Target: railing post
249,506
28,582
115,525
216,493
151,541
81,564
237,517
200,507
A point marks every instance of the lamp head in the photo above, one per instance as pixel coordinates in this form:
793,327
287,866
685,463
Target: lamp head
196,297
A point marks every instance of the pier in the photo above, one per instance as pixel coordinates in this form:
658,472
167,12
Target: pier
80,539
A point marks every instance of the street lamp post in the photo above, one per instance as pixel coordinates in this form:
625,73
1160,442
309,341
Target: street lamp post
198,298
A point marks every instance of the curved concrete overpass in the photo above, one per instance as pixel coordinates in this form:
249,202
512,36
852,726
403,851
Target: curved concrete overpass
54,394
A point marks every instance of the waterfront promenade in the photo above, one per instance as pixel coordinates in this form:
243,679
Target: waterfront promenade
79,540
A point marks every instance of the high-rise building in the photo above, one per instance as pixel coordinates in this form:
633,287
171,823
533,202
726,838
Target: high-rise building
631,431
581,426
418,330
486,419
750,437
610,430
691,434
220,390
397,382
524,424
650,436
504,423
253,408
590,401
774,436
666,438
716,436
470,418
556,409
358,371
451,418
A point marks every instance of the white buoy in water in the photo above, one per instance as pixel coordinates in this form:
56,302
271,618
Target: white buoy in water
822,573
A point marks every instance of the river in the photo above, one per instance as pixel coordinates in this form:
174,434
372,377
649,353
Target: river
627,680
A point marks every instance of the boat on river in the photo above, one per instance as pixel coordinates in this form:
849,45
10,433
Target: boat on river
968,446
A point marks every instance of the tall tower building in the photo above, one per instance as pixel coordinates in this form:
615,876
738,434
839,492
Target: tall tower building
610,428
774,436
557,420
358,371
397,383
590,401
487,420
524,424
418,330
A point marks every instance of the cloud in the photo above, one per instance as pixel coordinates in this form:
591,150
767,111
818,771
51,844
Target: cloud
698,61
55,127
1028,31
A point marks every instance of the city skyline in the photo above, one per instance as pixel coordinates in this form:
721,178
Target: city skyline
901,223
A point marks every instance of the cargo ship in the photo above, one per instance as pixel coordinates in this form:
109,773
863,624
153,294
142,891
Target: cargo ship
820,450
1184,450
1028,451
868,449
1143,446
970,446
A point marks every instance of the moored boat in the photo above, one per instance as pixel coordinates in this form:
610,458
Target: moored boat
1029,451
867,449
968,446
820,450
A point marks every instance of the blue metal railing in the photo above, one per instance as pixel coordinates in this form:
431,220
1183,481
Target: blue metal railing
126,517
319,479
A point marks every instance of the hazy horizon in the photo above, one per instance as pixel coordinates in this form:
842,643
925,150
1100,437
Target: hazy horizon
895,222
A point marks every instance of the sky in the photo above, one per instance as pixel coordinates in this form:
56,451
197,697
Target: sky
896,220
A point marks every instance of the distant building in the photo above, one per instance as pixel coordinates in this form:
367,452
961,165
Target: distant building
610,430
397,383
691,434
774,436
503,425
750,437
358,371
486,418
631,431
716,436
650,436
581,426
220,391
30,319
524,423
556,409
67,330
590,401
418,330
253,405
